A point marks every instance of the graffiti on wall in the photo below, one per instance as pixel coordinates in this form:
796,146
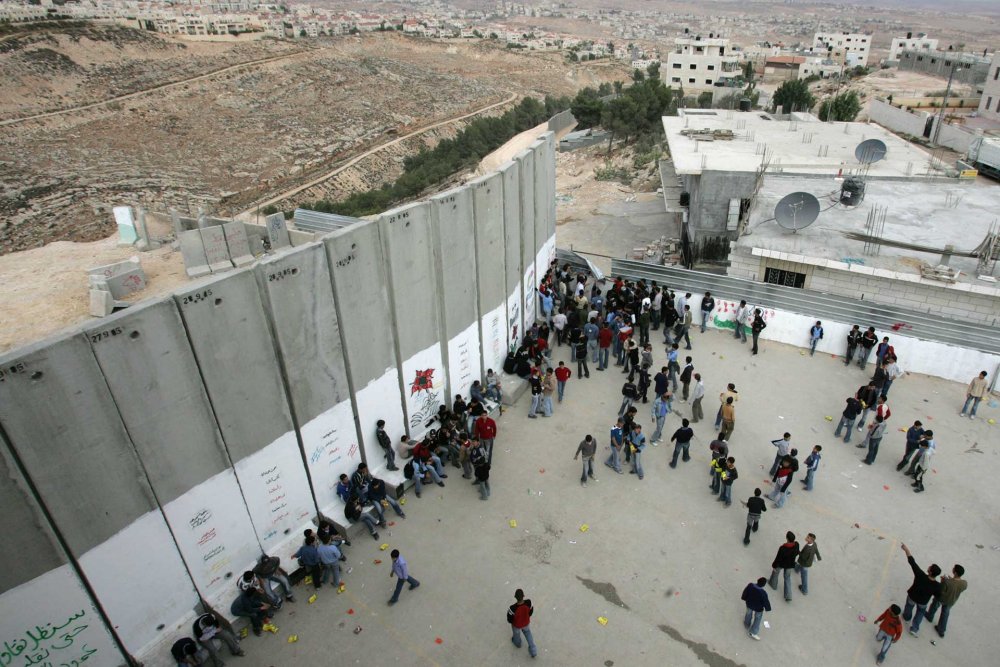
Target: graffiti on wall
49,645
427,397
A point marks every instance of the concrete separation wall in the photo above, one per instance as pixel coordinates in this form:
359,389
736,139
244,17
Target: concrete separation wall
150,457
413,296
526,171
64,427
487,200
510,173
229,333
303,315
455,268
562,122
360,288
896,119
43,589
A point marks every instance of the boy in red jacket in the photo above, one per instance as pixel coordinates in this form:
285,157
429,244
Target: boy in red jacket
890,629
563,373
519,616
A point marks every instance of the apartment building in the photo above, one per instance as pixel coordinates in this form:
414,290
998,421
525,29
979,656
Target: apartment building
989,105
850,48
920,42
699,64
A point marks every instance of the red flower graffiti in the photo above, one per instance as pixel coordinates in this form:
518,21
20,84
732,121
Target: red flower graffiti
423,382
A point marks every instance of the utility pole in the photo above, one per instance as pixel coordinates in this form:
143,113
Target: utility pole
944,104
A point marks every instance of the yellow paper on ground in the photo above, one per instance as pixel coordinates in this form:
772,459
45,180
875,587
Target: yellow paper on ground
513,523
602,620
584,528
313,598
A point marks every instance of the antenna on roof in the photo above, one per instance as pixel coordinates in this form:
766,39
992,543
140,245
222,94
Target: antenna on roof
796,211
870,151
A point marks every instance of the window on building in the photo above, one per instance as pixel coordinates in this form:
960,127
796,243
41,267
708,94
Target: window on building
676,79
785,278
933,61
711,68
998,106
690,80
920,59
708,81
996,75
693,66
677,65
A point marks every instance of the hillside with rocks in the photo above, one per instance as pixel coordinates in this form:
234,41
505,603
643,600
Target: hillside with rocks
222,140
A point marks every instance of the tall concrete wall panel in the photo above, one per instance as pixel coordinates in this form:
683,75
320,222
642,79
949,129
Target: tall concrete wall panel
526,168
487,199
144,352
542,195
63,425
407,241
299,295
510,173
549,182
455,259
360,289
38,587
232,344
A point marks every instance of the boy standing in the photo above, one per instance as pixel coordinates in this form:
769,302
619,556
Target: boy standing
563,373
755,507
890,629
757,603
402,574
808,554
519,616
812,465
587,447
617,441
728,476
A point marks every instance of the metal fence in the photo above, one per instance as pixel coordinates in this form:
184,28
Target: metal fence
823,306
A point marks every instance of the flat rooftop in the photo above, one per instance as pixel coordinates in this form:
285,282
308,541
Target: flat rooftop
803,145
920,212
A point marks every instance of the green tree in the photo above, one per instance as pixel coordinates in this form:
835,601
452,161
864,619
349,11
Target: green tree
843,107
587,108
705,100
793,96
573,58
653,71
638,75
618,118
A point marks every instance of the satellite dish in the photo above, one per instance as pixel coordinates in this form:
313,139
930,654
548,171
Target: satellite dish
870,150
796,211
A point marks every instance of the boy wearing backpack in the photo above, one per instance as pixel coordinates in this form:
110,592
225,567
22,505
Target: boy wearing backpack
519,616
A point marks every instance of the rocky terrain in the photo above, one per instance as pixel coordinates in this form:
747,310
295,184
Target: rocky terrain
208,134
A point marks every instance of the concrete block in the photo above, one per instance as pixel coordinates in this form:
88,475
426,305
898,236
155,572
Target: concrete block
277,231
298,294
193,252
120,278
102,303
239,246
232,344
213,239
178,442
126,225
